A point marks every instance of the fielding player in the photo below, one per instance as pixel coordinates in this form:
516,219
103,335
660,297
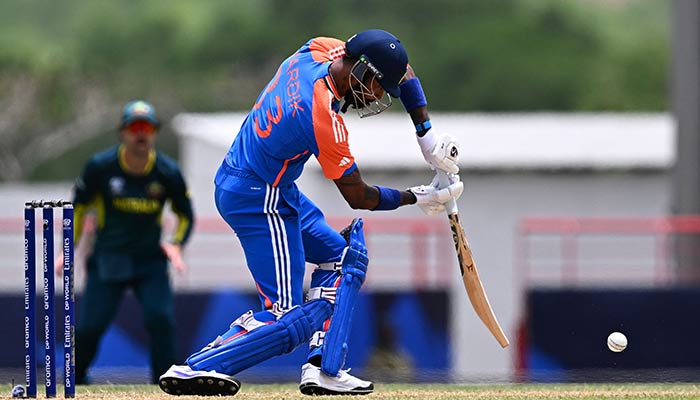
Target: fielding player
128,186
297,116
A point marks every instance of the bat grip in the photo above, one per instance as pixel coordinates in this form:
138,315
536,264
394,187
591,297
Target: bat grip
444,181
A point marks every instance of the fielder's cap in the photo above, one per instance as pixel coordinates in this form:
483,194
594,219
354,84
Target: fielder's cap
139,110
385,53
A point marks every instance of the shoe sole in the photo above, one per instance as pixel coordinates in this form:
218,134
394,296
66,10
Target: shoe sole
199,386
312,389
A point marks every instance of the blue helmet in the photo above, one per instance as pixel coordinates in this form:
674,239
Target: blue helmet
384,55
139,110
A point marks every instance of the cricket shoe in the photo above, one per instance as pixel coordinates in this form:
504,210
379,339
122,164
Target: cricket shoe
181,380
316,383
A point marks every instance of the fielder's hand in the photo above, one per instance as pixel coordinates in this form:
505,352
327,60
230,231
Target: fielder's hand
441,151
174,254
58,264
431,199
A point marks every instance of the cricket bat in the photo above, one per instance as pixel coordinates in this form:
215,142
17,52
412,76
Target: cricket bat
470,275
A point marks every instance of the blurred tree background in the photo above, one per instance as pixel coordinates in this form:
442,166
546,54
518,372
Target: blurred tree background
67,67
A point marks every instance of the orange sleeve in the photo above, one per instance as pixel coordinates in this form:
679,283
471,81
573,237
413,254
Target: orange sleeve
326,49
330,134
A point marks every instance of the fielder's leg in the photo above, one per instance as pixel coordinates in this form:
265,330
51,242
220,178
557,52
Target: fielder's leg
98,307
156,297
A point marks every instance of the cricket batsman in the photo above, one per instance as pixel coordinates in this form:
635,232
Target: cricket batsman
297,115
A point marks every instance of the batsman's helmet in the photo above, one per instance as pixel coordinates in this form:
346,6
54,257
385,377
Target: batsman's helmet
139,110
384,55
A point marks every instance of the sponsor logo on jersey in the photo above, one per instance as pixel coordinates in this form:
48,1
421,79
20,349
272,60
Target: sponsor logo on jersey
136,205
116,185
155,190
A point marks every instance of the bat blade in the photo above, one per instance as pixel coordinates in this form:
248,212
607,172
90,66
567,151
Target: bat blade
472,282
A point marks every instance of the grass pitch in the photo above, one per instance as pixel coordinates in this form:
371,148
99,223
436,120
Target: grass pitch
413,391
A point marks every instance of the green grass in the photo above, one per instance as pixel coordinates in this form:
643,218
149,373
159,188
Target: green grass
414,391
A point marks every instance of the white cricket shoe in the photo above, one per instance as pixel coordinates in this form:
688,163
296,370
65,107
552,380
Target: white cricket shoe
181,380
316,383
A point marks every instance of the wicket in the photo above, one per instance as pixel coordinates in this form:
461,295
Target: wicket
49,314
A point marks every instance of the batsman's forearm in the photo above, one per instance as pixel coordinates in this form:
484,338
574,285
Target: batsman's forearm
361,196
418,116
408,198
413,99
405,197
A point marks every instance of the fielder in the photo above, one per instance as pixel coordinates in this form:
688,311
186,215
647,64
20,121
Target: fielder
128,186
298,115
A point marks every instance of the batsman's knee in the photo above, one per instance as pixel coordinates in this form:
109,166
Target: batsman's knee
354,261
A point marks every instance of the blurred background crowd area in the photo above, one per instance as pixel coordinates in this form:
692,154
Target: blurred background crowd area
66,67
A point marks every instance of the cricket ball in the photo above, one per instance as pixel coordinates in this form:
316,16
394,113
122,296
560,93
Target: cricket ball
617,342
17,391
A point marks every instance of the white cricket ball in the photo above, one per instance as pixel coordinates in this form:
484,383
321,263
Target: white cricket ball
18,391
617,342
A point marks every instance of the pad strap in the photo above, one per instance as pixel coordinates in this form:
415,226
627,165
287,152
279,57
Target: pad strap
329,266
317,340
327,293
247,321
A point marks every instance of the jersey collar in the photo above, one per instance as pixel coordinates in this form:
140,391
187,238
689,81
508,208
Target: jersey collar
331,85
125,168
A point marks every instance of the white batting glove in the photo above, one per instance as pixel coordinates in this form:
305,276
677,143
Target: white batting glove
432,199
441,151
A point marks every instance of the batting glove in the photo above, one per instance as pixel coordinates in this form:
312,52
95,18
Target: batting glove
432,199
441,151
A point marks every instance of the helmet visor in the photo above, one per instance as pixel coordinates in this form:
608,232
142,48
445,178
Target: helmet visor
368,95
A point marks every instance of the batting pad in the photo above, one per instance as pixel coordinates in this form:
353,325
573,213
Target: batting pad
255,346
353,270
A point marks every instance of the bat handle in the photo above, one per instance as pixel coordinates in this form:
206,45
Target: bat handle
444,181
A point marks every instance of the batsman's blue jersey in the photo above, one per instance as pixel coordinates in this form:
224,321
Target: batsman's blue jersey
294,117
280,229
